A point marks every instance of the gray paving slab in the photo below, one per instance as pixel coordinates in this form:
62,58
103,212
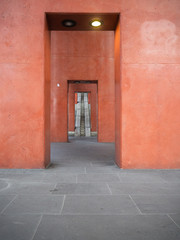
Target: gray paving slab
28,188
104,169
3,184
98,177
68,169
176,218
59,178
144,188
158,203
121,227
5,200
21,171
35,204
149,177
23,177
170,175
18,227
102,163
99,205
72,163
81,188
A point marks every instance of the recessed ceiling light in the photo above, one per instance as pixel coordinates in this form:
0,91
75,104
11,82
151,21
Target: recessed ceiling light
68,23
96,23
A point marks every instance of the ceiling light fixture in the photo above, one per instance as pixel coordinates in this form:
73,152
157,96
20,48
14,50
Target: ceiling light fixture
68,23
96,23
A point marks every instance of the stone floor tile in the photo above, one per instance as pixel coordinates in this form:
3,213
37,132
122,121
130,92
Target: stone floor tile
147,177
144,188
158,203
98,177
104,169
99,205
35,204
57,168
28,188
18,227
81,188
23,177
102,163
5,200
59,178
176,218
131,227
3,184
171,175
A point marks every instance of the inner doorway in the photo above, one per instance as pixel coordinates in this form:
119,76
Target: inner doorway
82,115
82,109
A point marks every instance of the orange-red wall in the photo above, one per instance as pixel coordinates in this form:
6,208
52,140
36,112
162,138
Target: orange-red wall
82,56
92,99
149,127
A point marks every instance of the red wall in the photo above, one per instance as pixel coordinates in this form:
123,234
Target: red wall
82,56
147,127
92,99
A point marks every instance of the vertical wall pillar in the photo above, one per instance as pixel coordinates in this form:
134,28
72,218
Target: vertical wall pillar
47,94
117,45
87,116
78,115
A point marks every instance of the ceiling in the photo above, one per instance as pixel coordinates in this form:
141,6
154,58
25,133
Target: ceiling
82,20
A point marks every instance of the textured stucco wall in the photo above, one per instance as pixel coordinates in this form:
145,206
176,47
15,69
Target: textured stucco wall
148,132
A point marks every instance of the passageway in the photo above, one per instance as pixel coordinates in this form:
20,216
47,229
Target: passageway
82,152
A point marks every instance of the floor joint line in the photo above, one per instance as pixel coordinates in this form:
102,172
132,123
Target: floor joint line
62,205
4,209
109,188
35,231
135,205
173,221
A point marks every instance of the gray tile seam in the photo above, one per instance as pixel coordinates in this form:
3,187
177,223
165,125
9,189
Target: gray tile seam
95,214
12,181
62,205
154,194
36,227
135,204
4,209
109,188
173,220
115,194
99,173
87,214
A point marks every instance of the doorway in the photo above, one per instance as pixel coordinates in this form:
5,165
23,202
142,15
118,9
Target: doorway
82,109
95,67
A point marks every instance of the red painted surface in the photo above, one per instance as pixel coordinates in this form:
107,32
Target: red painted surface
118,101
82,56
147,127
92,98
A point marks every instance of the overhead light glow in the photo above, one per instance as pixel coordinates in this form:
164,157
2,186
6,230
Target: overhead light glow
96,23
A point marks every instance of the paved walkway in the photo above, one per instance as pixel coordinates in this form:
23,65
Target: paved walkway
85,196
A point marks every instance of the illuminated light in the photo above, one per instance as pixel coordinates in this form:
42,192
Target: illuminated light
96,23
